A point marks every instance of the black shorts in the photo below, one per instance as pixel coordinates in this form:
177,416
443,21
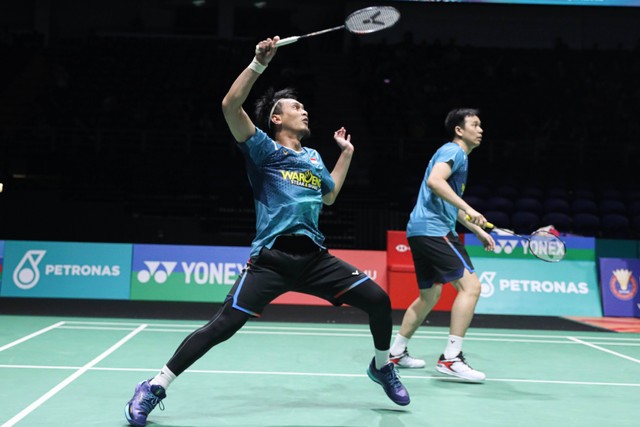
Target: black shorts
294,263
439,259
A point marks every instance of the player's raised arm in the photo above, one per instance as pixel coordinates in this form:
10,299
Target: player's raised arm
237,118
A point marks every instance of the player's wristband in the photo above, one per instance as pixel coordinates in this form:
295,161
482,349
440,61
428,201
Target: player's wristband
257,66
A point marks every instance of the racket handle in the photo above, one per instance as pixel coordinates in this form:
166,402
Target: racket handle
487,224
288,40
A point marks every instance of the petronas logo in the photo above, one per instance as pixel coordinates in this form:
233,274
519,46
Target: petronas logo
27,274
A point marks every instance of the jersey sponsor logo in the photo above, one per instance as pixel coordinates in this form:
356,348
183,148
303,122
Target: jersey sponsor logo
26,275
623,285
305,179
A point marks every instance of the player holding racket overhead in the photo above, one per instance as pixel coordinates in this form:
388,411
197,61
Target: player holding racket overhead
290,183
438,254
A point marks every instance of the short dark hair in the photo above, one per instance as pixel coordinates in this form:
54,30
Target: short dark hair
456,117
265,103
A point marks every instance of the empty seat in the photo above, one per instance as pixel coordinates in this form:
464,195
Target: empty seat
556,205
475,202
478,190
586,224
557,192
609,193
525,222
634,208
528,204
616,226
579,206
499,203
560,221
533,192
506,190
498,218
610,206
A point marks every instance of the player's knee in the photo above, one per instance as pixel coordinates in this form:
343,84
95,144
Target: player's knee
226,323
369,297
471,287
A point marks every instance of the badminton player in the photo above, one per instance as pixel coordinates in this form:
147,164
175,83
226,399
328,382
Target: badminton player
439,256
290,184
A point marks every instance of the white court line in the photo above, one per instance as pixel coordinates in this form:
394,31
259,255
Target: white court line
28,337
364,333
624,356
328,374
363,329
26,411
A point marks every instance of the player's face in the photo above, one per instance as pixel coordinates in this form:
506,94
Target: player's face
471,133
294,116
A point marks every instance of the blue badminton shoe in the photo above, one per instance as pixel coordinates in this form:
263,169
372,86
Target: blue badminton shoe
145,398
388,378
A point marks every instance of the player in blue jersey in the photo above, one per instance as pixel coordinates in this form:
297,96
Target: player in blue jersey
290,184
439,256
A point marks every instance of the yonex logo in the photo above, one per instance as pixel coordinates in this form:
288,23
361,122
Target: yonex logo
402,248
27,274
486,283
159,275
505,245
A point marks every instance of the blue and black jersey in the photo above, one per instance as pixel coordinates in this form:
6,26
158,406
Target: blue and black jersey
432,215
287,189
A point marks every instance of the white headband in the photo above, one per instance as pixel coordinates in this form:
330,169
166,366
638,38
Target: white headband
272,110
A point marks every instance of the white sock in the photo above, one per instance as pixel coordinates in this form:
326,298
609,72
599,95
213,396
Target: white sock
399,345
382,358
454,347
164,378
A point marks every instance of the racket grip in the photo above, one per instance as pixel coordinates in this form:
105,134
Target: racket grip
288,40
487,224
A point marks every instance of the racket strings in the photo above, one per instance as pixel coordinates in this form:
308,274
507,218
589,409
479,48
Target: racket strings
547,246
372,19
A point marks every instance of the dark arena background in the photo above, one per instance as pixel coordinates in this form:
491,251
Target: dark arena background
111,128
113,147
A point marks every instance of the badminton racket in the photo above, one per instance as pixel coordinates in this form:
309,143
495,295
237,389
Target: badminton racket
541,243
362,21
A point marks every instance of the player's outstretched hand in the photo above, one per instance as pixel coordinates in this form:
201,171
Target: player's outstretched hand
266,50
343,139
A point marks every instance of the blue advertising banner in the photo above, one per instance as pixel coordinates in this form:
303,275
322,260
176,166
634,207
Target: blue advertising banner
619,279
185,273
66,270
515,282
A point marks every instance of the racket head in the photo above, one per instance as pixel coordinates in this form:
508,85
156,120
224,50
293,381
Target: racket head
372,19
547,246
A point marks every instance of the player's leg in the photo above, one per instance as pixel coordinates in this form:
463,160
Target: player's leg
148,394
452,361
414,317
424,260
464,305
254,289
369,297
